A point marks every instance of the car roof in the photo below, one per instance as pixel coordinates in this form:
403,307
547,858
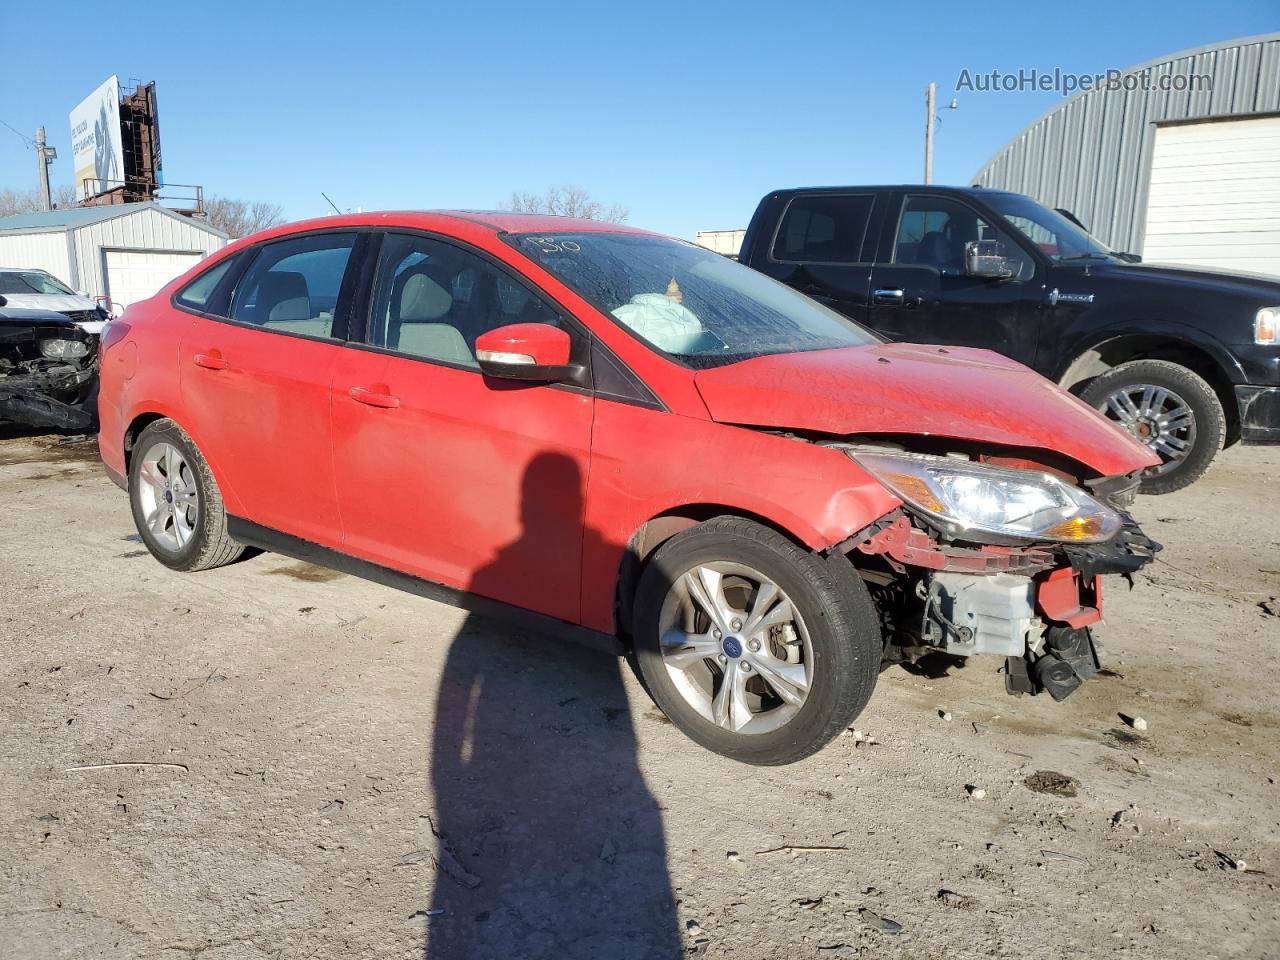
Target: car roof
498,221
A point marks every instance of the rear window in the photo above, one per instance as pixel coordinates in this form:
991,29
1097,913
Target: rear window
823,229
199,291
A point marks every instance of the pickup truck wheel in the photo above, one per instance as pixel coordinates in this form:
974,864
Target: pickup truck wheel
1169,408
754,647
176,504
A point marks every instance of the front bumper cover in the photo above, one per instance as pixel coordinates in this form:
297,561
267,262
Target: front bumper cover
1259,413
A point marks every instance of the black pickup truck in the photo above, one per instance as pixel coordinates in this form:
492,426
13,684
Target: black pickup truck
1186,359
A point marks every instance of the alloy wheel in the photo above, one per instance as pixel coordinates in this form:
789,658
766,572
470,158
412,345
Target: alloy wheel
168,495
736,648
1158,417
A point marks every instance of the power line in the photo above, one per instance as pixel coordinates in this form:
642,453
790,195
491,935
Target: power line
25,139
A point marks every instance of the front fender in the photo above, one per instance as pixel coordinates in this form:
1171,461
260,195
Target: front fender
1095,336
646,464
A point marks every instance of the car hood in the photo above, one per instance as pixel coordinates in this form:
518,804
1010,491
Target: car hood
1256,286
904,388
58,302
50,301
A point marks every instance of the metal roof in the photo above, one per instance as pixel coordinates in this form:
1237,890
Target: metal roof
1091,154
71,218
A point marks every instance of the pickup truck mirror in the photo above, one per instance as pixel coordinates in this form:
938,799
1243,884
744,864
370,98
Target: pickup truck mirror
987,259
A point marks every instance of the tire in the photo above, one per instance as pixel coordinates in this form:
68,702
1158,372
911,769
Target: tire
835,635
1208,423
192,535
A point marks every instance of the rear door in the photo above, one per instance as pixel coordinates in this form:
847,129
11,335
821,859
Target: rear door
818,248
920,291
441,471
257,382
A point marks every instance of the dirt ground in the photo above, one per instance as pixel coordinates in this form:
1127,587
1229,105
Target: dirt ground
275,760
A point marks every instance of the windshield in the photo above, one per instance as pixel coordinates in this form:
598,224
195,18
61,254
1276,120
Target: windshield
29,281
682,300
1056,236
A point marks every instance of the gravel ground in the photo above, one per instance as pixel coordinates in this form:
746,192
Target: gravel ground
275,760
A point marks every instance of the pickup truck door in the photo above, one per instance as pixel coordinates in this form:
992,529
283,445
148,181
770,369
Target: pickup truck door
818,249
920,291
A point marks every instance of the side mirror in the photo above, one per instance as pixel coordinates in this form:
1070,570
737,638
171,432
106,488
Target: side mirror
3,301
987,259
533,352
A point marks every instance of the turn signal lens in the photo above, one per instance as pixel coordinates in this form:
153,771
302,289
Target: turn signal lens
1266,326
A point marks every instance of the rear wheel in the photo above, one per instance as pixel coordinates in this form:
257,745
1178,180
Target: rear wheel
1170,409
755,648
177,507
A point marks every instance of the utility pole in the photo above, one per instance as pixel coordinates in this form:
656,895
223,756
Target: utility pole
44,156
929,96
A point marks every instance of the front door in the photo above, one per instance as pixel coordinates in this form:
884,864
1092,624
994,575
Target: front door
256,384
923,294
442,472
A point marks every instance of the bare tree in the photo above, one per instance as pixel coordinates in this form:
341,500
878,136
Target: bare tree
28,201
568,201
239,218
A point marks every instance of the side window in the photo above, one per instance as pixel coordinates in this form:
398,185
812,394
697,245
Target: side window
293,286
823,229
433,300
198,292
934,231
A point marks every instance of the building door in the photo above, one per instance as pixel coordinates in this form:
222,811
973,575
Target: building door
133,275
1214,195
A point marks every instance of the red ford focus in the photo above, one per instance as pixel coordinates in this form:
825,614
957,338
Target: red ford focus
616,432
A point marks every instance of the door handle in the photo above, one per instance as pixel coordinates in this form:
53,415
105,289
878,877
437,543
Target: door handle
888,296
373,398
210,361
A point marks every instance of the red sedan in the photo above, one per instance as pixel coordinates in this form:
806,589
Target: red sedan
612,431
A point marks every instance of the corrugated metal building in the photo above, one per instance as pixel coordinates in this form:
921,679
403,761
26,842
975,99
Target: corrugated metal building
1182,164
124,252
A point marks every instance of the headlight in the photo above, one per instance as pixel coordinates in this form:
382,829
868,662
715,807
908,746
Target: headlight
1266,325
64,349
965,497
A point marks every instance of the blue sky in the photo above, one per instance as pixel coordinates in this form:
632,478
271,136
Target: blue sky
685,112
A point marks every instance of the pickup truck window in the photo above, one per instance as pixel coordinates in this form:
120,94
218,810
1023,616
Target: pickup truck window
693,305
823,228
1053,234
934,231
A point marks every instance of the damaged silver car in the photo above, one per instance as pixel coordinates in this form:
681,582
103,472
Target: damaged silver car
48,370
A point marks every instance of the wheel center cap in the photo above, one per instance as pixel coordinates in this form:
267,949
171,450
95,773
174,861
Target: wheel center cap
168,496
732,647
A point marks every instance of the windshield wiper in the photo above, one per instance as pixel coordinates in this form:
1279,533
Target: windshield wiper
1085,256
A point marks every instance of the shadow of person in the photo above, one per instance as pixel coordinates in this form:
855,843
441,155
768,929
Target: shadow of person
551,845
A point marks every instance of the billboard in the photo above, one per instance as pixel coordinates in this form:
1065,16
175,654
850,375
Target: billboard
96,149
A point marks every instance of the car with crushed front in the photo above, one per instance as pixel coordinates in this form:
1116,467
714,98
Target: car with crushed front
48,370
34,289
611,433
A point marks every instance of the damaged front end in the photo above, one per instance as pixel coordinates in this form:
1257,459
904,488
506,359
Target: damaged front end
48,371
989,559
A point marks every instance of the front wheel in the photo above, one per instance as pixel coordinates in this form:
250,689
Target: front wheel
1170,409
754,647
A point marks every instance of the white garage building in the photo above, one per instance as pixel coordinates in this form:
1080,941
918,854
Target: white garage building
124,252
1180,163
